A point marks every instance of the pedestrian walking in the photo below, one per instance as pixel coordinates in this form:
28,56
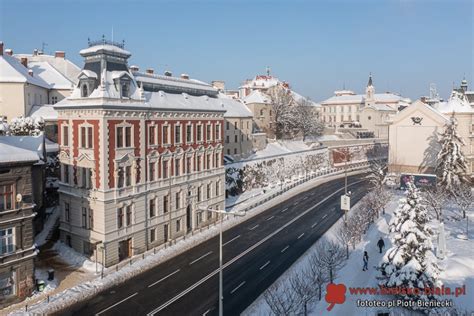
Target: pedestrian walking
365,258
381,244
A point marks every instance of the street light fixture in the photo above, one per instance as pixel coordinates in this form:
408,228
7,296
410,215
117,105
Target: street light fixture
345,199
221,212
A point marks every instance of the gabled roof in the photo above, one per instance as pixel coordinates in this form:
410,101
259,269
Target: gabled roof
66,67
256,96
454,104
50,75
11,70
234,108
420,106
87,73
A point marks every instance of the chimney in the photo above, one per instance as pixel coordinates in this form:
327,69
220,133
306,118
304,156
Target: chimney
1,48
35,52
9,51
185,76
218,84
60,54
30,72
134,68
168,73
150,71
24,61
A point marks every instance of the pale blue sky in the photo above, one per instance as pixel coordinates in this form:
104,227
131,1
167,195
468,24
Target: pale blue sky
315,45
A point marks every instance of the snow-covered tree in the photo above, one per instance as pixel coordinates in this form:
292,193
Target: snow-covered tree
4,127
436,198
26,126
410,262
284,117
463,198
307,122
452,165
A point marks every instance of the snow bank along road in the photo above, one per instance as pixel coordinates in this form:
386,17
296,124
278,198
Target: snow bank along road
256,253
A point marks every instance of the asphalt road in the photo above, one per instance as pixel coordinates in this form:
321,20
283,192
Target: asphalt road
256,252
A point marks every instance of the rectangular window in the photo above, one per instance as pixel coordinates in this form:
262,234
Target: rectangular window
165,169
227,125
84,217
178,225
128,136
177,167
152,234
152,135
208,191
198,163
208,132
217,188
119,134
89,138
209,215
54,100
66,212
129,215
91,218
66,173
218,131
120,217
151,171
120,177
218,161
199,217
177,134
199,133
189,134
178,200
227,139
166,203
235,125
165,134
152,208
188,165
86,137
83,137
7,201
7,244
128,175
235,139
65,136
208,161
165,232
199,197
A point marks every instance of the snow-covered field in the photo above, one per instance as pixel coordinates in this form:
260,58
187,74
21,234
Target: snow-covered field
457,267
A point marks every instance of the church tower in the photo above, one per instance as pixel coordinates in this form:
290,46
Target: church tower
369,92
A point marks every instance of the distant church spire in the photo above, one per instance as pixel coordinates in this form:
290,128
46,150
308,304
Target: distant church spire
370,80
268,71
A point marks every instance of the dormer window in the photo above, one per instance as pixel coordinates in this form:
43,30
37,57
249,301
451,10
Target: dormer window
125,89
84,91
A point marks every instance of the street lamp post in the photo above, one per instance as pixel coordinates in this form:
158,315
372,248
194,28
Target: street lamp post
222,213
345,200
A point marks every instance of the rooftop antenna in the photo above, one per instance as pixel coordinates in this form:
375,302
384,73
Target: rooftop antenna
112,33
43,46
268,71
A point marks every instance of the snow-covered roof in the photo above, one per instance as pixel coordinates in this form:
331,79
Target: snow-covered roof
11,70
184,102
21,148
175,83
50,146
382,107
104,47
66,67
88,73
50,75
360,98
233,107
256,96
46,111
261,81
454,104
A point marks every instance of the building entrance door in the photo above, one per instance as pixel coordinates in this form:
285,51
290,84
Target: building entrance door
125,249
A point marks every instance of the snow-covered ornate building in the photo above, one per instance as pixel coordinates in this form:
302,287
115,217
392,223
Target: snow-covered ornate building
139,153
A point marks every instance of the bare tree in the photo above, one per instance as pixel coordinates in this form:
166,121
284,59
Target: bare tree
463,198
317,273
304,290
331,256
281,299
308,122
378,170
345,235
283,114
436,198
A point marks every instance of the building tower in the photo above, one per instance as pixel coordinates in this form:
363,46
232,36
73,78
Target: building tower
369,92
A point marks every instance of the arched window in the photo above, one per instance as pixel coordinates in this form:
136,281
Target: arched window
85,92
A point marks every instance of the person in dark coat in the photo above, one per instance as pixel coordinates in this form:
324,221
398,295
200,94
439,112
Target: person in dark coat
365,258
381,244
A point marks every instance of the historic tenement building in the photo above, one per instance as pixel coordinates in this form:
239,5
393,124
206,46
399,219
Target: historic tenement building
139,154
19,165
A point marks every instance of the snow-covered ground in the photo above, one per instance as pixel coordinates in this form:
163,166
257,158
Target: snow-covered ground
40,239
458,266
280,147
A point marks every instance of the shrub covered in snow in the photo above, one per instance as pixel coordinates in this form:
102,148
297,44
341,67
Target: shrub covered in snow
24,126
410,263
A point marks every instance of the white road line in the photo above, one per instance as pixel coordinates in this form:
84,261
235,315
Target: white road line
254,227
305,198
266,264
164,278
204,255
284,210
112,306
232,292
236,237
296,203
270,218
245,252
325,215
284,249
207,312
316,223
300,235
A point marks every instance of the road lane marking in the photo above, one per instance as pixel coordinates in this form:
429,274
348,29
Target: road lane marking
296,202
284,210
236,237
300,235
254,227
284,249
266,264
325,215
112,306
238,287
270,218
245,252
164,278
305,198
207,312
316,223
204,255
